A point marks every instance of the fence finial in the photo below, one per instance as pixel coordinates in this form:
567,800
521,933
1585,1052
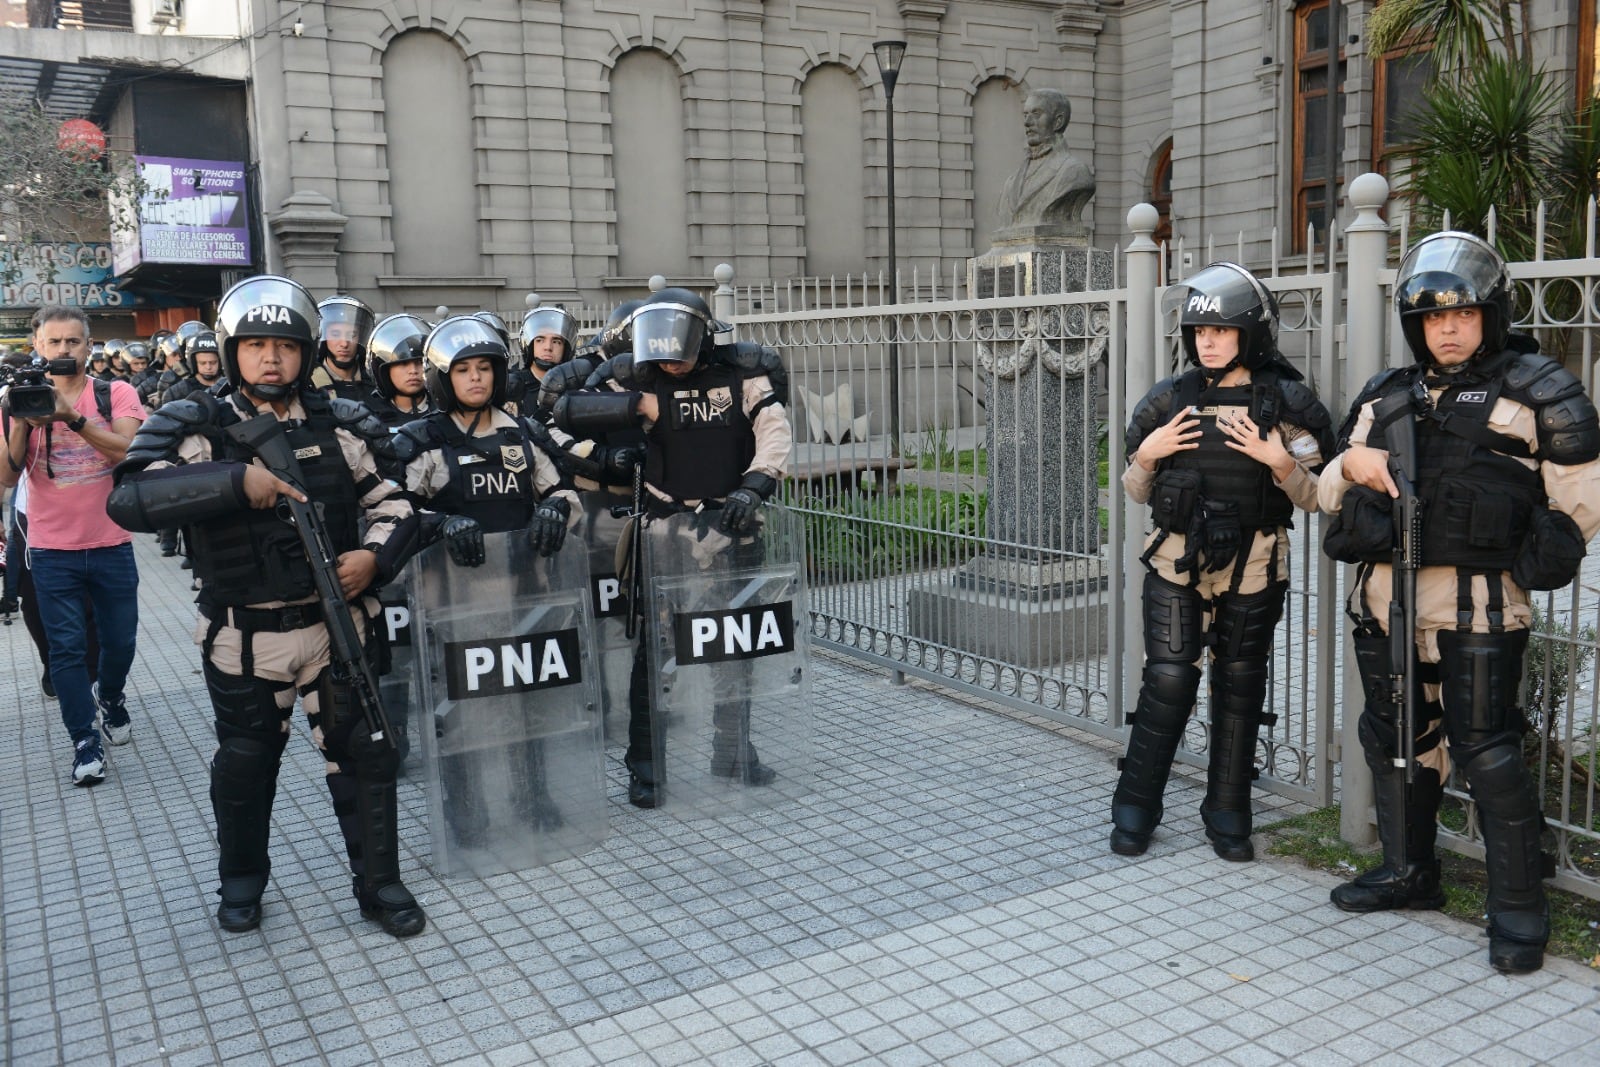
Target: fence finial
531,300
657,282
1143,220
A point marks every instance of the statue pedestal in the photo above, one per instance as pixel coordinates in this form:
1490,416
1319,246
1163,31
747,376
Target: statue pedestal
1025,600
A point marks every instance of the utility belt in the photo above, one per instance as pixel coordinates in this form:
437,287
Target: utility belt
252,621
1214,533
282,620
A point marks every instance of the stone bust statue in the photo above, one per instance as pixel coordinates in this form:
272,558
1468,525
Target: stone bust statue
1052,185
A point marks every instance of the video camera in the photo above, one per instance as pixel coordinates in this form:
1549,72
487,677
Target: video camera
29,393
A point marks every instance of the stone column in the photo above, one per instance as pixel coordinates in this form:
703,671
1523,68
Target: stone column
307,228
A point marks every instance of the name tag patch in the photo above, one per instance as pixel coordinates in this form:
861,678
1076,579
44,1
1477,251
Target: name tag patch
308,451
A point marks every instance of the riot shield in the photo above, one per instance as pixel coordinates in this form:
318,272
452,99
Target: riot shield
394,662
599,529
508,678
729,649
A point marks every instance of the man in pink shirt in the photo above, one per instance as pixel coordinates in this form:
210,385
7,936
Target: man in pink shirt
76,551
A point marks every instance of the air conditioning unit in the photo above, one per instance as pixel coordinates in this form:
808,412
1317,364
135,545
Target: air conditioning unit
168,14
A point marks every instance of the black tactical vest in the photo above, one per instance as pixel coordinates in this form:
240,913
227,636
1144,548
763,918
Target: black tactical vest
1477,500
491,477
254,556
703,442
1227,474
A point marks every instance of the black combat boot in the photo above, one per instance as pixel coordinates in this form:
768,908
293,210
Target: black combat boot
1157,727
541,807
642,783
1508,809
244,784
369,818
1397,884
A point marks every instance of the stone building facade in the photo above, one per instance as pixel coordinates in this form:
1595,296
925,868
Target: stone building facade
465,152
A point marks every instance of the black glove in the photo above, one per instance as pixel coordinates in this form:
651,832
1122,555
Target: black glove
740,506
548,531
464,539
739,509
620,463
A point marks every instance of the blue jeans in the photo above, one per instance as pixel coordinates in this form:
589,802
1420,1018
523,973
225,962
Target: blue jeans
109,578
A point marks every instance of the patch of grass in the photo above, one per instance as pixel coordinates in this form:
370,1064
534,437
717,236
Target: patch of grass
1314,839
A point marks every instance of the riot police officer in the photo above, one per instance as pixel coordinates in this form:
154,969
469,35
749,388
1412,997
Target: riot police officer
1223,452
173,356
342,348
395,367
716,439
1509,482
483,470
261,629
202,360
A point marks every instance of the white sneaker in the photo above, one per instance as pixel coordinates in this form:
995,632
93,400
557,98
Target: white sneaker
88,762
115,722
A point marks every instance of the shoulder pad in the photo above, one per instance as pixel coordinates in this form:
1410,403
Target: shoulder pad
1154,410
1376,386
1537,380
754,360
159,435
625,372
423,433
1304,406
356,417
1568,428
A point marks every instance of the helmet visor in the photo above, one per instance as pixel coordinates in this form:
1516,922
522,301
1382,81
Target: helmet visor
667,333
398,338
1221,294
345,321
1449,270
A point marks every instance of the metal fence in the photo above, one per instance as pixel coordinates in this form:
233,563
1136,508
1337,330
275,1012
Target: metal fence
957,465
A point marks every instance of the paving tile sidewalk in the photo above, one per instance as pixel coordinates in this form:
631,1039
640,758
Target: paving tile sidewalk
944,896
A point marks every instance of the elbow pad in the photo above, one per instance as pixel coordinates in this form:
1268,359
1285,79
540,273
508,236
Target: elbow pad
177,496
596,414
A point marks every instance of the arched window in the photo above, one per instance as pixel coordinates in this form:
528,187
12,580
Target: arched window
998,148
433,181
831,147
649,161
1160,191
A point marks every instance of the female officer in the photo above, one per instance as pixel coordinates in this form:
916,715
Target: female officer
489,471
1224,453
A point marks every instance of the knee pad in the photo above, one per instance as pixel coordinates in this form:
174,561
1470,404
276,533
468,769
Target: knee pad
1168,695
1173,617
1499,781
1243,625
1239,688
247,760
346,739
1479,676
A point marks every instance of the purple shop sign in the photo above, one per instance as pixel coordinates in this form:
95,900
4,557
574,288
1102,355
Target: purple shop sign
191,211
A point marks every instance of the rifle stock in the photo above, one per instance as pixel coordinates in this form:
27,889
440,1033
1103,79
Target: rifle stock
264,435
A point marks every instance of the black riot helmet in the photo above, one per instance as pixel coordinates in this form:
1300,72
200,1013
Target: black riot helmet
267,306
545,320
397,339
673,326
1453,270
348,319
457,338
156,339
1226,294
204,341
136,350
616,336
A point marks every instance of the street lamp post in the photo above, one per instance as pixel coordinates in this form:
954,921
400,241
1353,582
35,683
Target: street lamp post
889,55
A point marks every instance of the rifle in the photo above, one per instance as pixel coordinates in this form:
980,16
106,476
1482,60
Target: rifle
264,435
1397,413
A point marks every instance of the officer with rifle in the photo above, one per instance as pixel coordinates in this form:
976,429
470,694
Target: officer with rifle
290,523
716,444
1463,481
